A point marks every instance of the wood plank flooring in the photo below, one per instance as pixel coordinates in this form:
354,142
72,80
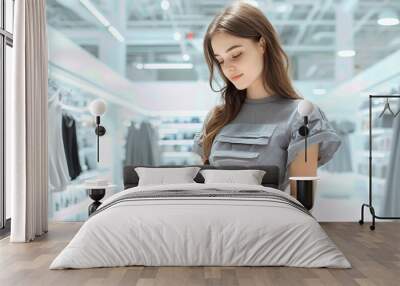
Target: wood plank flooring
374,255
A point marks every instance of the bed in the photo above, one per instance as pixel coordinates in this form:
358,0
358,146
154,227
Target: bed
199,224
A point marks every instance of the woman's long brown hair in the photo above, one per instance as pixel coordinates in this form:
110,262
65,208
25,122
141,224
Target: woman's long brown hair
246,21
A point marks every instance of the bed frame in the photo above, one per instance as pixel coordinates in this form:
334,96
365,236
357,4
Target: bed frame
270,179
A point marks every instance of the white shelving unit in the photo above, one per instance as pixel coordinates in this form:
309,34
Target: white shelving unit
176,135
168,127
176,142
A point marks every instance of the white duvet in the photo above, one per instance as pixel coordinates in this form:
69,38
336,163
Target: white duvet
200,231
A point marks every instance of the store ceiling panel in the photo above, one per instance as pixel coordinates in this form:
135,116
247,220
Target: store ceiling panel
306,28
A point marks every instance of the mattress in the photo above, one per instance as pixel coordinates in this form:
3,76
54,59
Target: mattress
201,225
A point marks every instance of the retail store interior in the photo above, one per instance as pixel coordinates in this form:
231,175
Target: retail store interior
215,142
145,60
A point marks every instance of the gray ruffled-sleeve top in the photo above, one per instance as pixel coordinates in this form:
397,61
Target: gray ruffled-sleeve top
265,132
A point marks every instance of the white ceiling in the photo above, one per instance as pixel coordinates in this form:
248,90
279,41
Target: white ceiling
306,28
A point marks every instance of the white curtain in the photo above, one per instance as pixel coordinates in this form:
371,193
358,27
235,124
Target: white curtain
27,123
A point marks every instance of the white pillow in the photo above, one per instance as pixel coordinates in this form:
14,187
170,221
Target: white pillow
249,177
161,176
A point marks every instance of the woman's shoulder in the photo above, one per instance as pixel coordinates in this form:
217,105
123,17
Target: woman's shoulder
293,103
287,106
290,108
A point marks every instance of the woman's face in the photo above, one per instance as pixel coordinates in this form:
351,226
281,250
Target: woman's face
241,59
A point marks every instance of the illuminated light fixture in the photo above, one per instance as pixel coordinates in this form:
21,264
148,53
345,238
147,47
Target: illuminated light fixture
164,4
388,17
251,2
177,36
167,66
103,20
92,9
322,35
139,66
116,34
319,91
346,53
185,57
283,8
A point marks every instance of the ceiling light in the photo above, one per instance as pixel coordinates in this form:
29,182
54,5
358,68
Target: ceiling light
116,34
283,8
92,9
319,91
318,36
251,2
139,66
103,20
388,17
185,57
170,66
164,5
177,36
346,53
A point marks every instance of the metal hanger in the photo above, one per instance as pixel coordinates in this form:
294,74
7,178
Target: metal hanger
398,112
55,94
53,87
387,106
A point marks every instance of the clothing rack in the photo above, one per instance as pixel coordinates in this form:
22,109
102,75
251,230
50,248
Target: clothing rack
58,92
369,205
73,108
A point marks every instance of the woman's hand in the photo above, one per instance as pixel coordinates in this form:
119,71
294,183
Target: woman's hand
300,168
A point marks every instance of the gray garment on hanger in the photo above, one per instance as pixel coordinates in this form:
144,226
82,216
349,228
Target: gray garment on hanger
154,145
146,152
391,192
58,169
142,145
132,145
265,132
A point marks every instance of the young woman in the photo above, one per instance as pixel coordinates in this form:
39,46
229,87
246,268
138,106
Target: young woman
257,122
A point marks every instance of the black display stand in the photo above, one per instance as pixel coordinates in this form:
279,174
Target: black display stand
369,205
305,190
305,193
96,195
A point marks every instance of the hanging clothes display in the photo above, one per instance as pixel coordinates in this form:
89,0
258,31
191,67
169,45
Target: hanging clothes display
391,205
153,139
131,145
342,161
58,167
71,145
142,145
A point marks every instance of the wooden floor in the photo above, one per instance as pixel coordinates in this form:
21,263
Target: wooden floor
374,255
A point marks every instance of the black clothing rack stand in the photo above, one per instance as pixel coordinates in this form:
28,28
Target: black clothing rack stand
369,205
